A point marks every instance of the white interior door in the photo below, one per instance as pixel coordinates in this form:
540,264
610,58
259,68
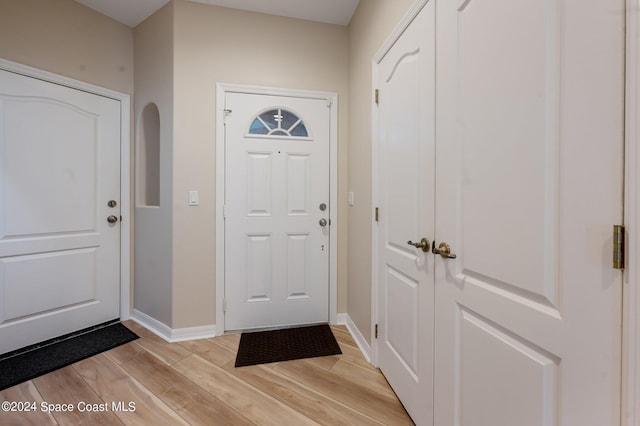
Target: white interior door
276,211
406,195
529,183
59,168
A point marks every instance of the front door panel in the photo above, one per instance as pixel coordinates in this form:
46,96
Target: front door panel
277,211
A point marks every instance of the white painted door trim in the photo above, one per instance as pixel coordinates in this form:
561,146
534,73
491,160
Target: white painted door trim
221,90
377,58
631,294
125,161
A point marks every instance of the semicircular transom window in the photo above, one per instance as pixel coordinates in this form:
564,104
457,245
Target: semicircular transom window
278,122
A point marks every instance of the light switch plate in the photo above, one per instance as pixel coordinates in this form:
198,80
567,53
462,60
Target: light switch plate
193,198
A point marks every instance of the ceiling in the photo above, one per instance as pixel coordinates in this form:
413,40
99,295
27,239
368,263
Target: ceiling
132,12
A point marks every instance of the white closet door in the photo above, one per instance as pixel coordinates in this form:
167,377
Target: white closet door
529,161
406,196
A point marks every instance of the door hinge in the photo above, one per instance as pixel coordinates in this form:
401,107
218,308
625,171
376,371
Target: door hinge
227,113
224,305
377,96
329,102
376,332
618,246
224,211
377,214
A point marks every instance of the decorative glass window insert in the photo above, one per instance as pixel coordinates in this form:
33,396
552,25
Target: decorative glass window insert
278,122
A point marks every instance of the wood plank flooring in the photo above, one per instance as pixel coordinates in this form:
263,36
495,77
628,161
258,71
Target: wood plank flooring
195,383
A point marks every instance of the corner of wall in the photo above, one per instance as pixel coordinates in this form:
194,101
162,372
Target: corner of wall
365,348
369,27
153,224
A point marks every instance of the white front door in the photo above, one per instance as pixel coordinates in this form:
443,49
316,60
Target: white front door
529,166
276,211
59,168
406,193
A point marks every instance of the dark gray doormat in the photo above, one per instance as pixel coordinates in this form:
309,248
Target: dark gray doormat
285,345
35,360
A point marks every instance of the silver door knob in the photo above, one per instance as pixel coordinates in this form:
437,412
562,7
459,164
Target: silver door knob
323,222
112,219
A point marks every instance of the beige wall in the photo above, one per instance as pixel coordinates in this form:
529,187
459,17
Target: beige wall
180,53
214,44
67,38
153,250
372,23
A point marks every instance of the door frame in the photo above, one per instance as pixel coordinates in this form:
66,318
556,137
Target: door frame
332,102
630,362
375,159
631,294
125,163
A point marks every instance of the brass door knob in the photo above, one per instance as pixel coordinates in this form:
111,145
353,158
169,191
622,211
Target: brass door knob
112,219
423,244
443,250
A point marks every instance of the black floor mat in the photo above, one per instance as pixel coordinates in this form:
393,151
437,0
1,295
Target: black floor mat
284,345
28,363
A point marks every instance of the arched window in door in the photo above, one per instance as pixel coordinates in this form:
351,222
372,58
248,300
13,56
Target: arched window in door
278,122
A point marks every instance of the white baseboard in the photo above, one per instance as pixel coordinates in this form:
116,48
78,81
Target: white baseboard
173,335
151,324
365,348
193,333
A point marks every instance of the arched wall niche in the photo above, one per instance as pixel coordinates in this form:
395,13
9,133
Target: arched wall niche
148,158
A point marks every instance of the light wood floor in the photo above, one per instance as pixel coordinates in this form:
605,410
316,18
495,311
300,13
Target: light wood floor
196,383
